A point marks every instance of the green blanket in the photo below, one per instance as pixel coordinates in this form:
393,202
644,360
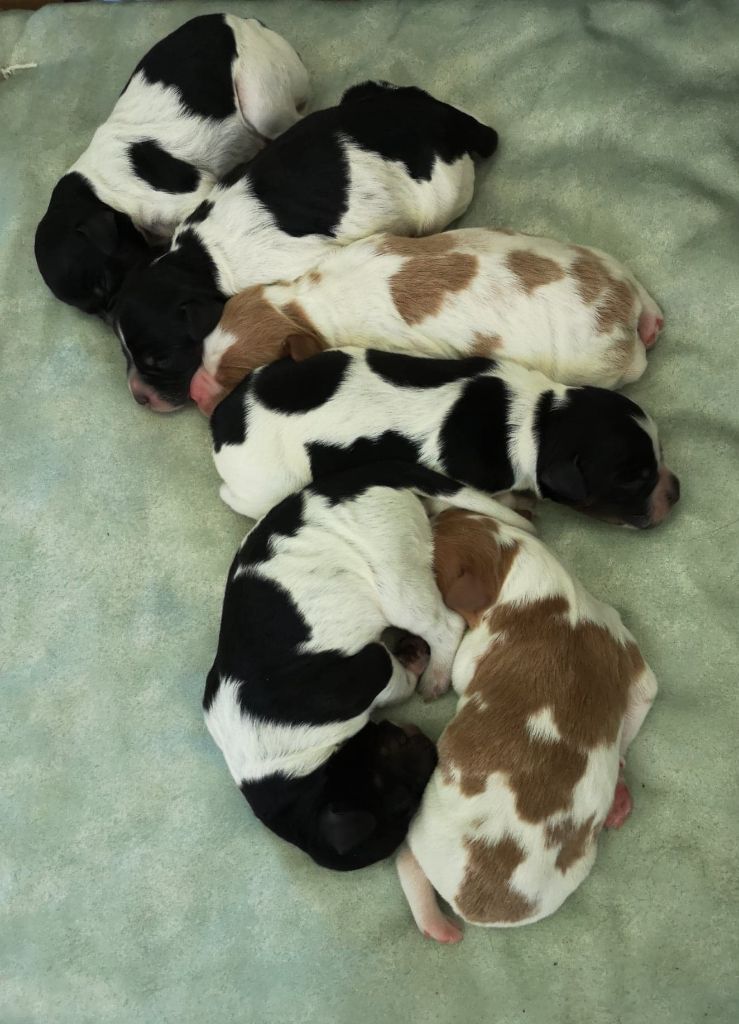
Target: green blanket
136,886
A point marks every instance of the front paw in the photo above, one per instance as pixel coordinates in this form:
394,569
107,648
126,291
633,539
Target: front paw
435,681
413,653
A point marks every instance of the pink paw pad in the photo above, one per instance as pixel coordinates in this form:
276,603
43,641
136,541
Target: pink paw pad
649,327
621,806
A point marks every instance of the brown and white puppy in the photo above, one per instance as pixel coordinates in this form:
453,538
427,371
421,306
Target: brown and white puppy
573,313
552,691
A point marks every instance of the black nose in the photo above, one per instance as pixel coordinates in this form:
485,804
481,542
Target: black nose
673,493
140,398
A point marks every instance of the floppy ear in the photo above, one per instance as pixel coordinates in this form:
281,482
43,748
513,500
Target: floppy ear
101,230
343,830
201,316
302,346
468,594
564,480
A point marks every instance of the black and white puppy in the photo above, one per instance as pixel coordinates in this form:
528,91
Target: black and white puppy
385,159
201,101
494,426
301,662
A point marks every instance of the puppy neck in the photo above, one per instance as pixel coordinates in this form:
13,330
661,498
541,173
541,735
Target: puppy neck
525,388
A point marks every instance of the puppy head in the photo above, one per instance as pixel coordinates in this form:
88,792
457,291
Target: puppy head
252,332
373,788
84,249
163,314
599,452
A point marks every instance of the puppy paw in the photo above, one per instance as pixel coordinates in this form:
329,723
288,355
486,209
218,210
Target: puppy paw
441,929
434,682
621,806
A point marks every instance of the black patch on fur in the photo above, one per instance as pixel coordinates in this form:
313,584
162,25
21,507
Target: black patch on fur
474,437
397,475
284,520
290,387
199,214
593,438
156,313
408,125
329,459
196,59
419,372
160,169
229,418
84,249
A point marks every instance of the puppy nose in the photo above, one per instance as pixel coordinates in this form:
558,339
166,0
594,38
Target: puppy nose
140,397
673,492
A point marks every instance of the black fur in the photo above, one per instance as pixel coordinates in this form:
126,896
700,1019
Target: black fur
196,60
350,483
302,179
474,437
322,379
177,289
414,372
328,459
84,249
228,422
200,212
595,457
355,808
160,169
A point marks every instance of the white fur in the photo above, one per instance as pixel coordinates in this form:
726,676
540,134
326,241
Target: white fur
352,570
249,248
272,462
550,329
437,855
270,82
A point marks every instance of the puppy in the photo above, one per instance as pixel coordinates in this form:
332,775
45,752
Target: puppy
573,313
493,426
301,664
204,99
385,159
552,691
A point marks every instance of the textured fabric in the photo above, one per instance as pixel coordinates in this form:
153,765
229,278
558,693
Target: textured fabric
135,884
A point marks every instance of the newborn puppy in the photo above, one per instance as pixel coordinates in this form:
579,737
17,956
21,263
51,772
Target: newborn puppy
573,313
493,426
552,691
386,158
204,99
301,663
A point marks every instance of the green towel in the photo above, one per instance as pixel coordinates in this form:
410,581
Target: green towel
136,887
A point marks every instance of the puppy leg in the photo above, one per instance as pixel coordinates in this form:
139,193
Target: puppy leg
422,900
400,686
641,697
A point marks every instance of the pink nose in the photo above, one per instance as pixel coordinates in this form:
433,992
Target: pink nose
145,395
205,391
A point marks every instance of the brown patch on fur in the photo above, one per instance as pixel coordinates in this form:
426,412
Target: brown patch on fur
485,894
486,344
418,289
573,840
580,673
430,245
315,276
615,297
533,270
469,563
264,333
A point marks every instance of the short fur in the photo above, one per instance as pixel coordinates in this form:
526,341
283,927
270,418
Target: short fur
552,691
492,426
469,292
301,663
203,99
385,158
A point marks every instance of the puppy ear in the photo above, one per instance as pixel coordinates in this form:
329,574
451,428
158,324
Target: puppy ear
101,230
302,346
201,316
564,480
343,830
468,594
